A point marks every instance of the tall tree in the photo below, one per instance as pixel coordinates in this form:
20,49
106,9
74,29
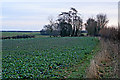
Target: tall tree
65,24
68,23
71,17
76,22
101,20
91,26
74,16
94,26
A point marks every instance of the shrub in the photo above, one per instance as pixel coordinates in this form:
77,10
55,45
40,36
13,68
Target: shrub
109,33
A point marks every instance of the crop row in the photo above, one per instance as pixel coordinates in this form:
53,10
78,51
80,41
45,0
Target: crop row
44,57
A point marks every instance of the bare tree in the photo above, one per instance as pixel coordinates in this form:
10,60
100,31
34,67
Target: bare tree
49,28
102,20
94,26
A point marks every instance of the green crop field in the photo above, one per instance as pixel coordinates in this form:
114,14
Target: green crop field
9,34
18,33
45,57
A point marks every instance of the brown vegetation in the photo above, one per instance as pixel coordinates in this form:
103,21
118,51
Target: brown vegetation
110,33
105,62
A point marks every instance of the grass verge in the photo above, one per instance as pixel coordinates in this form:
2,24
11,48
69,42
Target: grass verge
105,62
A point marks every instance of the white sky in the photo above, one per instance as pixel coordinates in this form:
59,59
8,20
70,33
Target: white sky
59,0
33,14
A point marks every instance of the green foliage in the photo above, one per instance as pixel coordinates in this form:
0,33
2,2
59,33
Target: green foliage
10,34
68,24
73,21
44,57
91,27
6,34
66,29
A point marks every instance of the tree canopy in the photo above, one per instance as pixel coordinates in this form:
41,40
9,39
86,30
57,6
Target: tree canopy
70,23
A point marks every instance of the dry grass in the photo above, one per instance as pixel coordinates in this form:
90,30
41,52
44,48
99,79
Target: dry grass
105,62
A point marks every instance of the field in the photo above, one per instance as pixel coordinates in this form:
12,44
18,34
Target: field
10,34
45,57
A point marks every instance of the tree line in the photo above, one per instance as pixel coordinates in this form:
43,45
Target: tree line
70,24
18,37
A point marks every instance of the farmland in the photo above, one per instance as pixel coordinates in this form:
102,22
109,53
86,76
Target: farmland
10,34
18,33
45,57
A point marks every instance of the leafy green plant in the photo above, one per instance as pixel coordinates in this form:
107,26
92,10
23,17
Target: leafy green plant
46,57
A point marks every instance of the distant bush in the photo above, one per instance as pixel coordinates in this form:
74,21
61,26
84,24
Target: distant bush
19,36
6,37
110,33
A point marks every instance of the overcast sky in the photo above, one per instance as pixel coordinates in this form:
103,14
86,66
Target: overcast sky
33,14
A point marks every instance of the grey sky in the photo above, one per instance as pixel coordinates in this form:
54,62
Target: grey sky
33,14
